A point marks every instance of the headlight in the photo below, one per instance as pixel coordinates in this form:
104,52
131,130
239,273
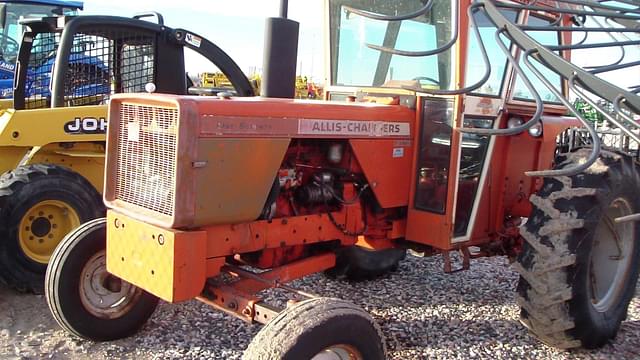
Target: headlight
514,122
536,130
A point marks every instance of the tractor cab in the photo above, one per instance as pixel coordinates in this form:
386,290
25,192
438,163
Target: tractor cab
11,13
368,53
413,53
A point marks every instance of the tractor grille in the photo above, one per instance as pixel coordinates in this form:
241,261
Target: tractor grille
147,155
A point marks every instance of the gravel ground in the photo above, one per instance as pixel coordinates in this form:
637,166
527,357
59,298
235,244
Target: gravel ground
423,312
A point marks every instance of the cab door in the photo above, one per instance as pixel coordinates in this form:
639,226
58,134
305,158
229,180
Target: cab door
431,203
450,200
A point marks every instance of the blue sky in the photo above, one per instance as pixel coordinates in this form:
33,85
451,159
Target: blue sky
236,26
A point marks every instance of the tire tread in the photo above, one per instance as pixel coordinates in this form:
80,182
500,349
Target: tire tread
12,182
552,235
283,331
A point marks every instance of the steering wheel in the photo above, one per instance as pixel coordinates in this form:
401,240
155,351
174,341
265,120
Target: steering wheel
11,47
425,78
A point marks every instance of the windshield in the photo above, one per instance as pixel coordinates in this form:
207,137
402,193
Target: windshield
11,31
354,63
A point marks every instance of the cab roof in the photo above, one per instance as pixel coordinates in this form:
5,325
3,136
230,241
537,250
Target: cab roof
64,3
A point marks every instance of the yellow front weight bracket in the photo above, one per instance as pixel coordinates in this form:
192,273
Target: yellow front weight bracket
167,263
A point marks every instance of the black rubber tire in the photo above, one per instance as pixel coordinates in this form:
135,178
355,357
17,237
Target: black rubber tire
62,289
305,329
356,263
22,188
554,290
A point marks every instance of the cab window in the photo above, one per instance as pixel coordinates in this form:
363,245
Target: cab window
548,38
475,62
434,156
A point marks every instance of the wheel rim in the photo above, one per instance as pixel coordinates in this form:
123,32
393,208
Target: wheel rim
611,256
102,294
43,226
339,352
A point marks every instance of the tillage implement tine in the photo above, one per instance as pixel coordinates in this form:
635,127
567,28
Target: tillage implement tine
589,84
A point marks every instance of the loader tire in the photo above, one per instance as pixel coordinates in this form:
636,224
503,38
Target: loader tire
578,268
319,326
39,205
84,298
356,263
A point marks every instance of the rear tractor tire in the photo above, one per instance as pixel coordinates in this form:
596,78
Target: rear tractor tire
39,205
84,298
356,263
316,329
579,267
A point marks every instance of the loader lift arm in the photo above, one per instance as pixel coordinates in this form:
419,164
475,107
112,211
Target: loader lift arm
211,51
199,44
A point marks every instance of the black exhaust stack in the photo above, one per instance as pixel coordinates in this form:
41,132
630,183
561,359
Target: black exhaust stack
280,55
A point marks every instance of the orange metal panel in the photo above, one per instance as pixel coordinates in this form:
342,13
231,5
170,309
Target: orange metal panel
234,184
522,156
387,166
279,110
398,229
553,126
170,264
213,266
463,40
525,153
224,240
259,117
507,189
490,202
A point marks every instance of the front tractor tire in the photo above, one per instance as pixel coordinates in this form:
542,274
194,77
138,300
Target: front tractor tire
578,267
319,328
39,205
84,298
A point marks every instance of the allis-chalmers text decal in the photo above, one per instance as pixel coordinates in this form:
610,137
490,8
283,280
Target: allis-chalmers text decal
251,126
350,127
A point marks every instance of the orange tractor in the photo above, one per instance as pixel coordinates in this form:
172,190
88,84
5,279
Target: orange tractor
444,134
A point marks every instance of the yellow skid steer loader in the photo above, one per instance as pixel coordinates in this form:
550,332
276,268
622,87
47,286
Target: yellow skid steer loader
52,141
